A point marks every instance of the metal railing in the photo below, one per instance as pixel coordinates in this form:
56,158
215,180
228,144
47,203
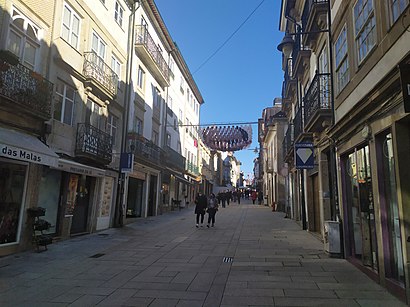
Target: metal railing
317,96
26,87
143,148
174,159
142,37
192,168
93,143
95,68
298,124
288,140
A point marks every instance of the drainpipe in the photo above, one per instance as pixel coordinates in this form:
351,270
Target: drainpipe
119,212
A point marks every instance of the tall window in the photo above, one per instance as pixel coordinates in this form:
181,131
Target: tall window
141,78
365,27
93,115
64,103
397,8
118,13
116,67
170,102
155,137
168,140
342,63
70,31
112,124
23,40
98,46
157,99
138,126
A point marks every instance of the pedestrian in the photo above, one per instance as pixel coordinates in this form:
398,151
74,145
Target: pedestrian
223,199
212,208
200,208
239,197
260,197
253,196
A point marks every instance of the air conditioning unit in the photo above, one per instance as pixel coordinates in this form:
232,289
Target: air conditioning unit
332,238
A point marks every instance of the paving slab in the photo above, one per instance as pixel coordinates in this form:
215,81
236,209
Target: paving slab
252,257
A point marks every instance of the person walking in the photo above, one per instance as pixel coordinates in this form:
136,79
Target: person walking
200,208
260,197
212,208
253,196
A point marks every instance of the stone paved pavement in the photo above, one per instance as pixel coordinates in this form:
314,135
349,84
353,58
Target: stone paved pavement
252,257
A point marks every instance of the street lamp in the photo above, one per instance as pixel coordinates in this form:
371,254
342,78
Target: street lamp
286,45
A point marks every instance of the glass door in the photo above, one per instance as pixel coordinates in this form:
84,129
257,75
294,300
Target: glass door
358,200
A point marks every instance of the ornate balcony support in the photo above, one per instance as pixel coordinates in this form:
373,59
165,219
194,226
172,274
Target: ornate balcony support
314,19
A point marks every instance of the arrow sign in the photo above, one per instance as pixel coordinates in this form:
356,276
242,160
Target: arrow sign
304,156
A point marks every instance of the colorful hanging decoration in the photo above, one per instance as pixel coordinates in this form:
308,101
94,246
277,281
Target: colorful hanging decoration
227,138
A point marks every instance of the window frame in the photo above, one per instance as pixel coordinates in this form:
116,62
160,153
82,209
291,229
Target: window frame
112,127
63,103
116,66
400,11
344,59
70,26
119,13
141,78
371,17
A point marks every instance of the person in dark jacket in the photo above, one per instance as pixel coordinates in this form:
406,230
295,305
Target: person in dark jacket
200,207
212,208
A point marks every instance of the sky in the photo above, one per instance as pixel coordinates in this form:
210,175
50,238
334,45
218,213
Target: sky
245,75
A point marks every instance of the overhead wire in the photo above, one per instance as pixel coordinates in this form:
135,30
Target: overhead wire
228,39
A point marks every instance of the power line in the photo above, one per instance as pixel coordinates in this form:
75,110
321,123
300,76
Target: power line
228,39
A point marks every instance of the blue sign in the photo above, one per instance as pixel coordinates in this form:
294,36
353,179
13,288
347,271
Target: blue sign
304,156
126,162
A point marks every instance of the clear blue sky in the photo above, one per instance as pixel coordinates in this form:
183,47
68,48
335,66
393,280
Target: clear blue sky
245,76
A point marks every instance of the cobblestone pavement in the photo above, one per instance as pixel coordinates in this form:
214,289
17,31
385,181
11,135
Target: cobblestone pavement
252,257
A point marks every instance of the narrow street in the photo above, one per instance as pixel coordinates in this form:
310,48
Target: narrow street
252,257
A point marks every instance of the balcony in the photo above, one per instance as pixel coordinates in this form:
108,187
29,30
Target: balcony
144,150
287,144
25,90
192,169
99,76
317,103
151,55
93,144
174,159
300,56
314,18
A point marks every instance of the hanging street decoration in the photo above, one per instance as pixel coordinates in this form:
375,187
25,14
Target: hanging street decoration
227,138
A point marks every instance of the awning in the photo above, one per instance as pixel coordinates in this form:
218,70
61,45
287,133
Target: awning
25,147
179,177
78,168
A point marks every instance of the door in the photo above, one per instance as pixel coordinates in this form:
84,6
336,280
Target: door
82,203
358,199
134,198
393,251
152,197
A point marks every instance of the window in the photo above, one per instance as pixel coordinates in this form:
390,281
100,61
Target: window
112,124
180,115
155,137
23,39
157,99
179,147
141,78
64,103
98,46
144,22
71,26
341,59
170,102
118,13
138,126
168,140
182,85
93,115
397,8
365,27
116,67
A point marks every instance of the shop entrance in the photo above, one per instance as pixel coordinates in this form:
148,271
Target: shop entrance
82,204
134,198
152,197
358,201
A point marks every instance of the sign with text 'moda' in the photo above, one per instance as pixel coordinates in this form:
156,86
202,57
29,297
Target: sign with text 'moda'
304,156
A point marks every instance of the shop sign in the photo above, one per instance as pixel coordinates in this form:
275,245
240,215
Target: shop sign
77,168
26,155
405,85
304,156
126,162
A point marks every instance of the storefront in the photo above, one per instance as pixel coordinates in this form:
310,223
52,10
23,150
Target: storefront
23,158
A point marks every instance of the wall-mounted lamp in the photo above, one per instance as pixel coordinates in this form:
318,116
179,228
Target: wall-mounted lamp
286,45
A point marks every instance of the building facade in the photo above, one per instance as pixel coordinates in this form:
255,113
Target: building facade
347,76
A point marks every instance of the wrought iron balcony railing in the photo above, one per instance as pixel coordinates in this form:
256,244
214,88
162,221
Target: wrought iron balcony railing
288,141
144,149
298,124
300,52
26,88
95,69
314,18
317,97
93,143
174,159
152,54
